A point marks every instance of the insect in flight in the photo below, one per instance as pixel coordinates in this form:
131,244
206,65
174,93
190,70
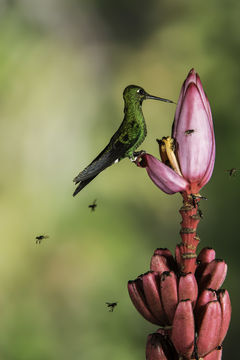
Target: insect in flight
111,306
233,171
93,205
39,238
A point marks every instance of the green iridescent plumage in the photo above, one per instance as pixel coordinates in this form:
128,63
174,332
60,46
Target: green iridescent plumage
125,141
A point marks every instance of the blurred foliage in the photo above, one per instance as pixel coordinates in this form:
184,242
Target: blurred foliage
63,67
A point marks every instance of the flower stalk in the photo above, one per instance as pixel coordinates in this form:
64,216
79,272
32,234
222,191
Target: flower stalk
186,250
182,294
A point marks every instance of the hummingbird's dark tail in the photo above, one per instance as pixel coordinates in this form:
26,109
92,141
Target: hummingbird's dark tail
82,184
114,151
102,161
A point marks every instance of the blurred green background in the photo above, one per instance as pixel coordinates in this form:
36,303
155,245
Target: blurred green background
63,67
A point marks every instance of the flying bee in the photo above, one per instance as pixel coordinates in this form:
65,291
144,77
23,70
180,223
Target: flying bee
188,132
233,171
93,205
111,306
39,238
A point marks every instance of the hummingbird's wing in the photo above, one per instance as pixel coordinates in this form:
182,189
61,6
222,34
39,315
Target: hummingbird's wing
101,162
112,152
123,140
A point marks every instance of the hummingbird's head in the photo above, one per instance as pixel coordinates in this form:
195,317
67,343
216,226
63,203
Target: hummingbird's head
138,94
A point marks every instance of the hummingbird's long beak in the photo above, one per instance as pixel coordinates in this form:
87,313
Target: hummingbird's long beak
158,98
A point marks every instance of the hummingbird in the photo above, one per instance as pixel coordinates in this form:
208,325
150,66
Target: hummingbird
126,139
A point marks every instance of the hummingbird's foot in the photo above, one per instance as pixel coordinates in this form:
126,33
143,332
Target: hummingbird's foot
138,153
137,156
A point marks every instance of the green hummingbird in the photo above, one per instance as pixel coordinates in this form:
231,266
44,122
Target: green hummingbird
126,139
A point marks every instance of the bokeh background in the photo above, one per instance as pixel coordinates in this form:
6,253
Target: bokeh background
63,67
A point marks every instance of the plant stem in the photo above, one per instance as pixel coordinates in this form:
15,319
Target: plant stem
186,250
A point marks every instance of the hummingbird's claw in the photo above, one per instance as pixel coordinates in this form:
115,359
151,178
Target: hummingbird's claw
137,155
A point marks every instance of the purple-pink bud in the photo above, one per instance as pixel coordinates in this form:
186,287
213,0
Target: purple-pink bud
188,157
193,132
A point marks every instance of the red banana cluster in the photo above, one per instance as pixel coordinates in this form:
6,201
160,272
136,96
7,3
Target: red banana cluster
192,311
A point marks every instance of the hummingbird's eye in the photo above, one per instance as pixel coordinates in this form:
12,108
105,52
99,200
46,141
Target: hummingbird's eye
141,92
